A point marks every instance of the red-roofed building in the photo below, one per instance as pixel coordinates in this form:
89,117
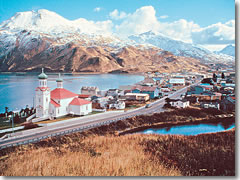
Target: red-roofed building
84,96
80,106
58,102
54,103
61,93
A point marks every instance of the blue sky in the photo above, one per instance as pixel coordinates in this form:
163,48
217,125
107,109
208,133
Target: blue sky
202,12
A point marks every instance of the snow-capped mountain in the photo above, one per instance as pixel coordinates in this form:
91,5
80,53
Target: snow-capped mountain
49,22
32,39
228,50
178,48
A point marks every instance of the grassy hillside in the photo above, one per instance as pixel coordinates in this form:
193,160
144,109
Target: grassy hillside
129,155
102,152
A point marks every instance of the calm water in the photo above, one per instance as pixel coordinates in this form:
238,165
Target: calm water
18,90
192,129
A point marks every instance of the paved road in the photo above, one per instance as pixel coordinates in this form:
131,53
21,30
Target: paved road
81,124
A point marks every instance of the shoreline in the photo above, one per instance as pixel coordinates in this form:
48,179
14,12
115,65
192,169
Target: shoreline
171,124
76,73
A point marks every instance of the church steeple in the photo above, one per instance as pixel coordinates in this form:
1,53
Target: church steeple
42,79
59,81
42,98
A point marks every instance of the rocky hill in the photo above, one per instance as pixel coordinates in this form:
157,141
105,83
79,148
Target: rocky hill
31,53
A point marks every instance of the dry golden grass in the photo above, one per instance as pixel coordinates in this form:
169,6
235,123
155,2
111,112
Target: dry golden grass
94,156
101,152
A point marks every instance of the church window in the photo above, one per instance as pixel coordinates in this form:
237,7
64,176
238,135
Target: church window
39,99
58,111
46,99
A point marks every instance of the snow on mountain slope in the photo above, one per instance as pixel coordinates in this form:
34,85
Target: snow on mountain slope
32,32
51,23
178,48
228,50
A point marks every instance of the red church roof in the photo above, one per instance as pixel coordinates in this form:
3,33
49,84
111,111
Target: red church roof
61,93
79,102
84,95
54,103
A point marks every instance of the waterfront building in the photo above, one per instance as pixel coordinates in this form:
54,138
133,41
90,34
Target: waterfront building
58,102
90,90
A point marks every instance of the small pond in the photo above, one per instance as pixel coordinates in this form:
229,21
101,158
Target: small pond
191,129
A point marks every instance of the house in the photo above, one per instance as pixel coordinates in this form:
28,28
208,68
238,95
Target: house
125,89
90,90
116,104
208,95
153,91
102,101
137,96
191,99
80,106
113,92
196,90
178,103
177,81
210,104
58,102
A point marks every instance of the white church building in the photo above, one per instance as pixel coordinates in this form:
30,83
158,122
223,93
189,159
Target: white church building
58,102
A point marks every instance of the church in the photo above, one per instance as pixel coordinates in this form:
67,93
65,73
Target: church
58,102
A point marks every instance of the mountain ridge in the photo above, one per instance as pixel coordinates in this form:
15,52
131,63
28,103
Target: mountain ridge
30,40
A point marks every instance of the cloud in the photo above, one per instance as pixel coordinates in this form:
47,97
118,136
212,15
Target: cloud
142,20
117,15
92,27
97,9
179,30
215,34
163,17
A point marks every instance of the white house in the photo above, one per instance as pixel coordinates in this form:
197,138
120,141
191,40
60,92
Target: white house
116,104
179,103
58,102
177,81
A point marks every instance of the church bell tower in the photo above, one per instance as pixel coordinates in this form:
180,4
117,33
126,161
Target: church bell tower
42,98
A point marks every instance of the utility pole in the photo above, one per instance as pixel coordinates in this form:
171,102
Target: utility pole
12,124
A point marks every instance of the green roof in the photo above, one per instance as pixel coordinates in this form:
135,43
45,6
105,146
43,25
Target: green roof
42,75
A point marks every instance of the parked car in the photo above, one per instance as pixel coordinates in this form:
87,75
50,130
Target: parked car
148,106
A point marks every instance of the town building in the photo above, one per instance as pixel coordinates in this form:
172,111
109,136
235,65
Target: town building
178,103
152,91
116,104
177,81
58,102
137,97
211,104
90,90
